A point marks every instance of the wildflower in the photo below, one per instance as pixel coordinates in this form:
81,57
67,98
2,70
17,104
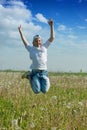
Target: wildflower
14,123
54,128
42,108
80,103
68,105
53,99
74,111
32,125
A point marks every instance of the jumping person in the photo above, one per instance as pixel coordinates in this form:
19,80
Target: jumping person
39,79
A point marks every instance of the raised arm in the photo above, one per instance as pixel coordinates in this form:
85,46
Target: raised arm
50,22
22,36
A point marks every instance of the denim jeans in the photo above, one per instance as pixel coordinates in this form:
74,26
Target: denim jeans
39,81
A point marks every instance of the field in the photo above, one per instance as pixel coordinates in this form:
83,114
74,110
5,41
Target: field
64,107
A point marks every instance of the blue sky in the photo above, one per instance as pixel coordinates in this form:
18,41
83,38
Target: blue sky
67,53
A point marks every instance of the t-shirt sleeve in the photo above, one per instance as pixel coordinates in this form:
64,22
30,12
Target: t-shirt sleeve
47,43
28,47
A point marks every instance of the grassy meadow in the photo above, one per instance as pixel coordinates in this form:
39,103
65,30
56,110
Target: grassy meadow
64,107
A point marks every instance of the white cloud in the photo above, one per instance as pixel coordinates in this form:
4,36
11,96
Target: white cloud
61,27
11,16
72,36
16,13
86,20
81,27
16,3
41,18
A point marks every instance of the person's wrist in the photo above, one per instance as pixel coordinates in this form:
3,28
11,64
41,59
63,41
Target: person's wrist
51,25
20,30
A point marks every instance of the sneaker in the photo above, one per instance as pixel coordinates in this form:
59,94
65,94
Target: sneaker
26,75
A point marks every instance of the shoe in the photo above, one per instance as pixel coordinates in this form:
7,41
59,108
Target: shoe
26,75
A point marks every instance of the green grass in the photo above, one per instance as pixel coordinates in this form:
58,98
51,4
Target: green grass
64,107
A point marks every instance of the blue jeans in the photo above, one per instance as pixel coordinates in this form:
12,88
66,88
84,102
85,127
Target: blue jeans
39,81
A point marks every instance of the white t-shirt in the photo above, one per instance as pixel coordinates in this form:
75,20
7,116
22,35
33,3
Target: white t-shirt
38,55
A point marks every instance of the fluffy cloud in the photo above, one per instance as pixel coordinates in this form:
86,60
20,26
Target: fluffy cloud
81,27
41,18
61,27
12,15
72,36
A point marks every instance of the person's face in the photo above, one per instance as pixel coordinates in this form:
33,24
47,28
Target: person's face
37,42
